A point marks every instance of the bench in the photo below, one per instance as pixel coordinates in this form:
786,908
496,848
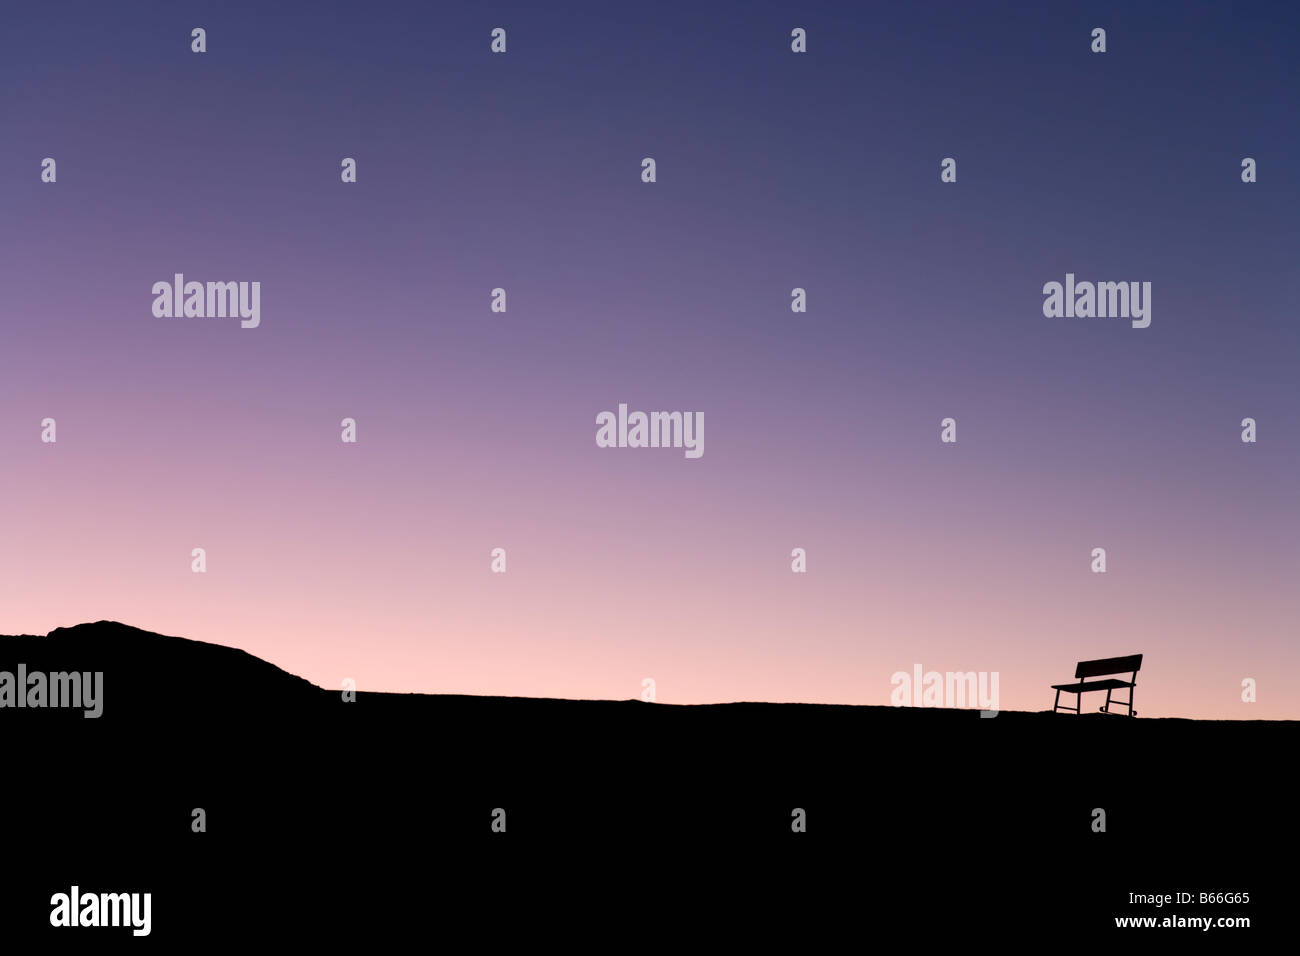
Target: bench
1109,665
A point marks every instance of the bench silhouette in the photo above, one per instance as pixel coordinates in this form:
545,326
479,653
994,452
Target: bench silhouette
1108,665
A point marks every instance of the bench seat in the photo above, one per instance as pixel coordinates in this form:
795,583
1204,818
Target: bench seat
1109,684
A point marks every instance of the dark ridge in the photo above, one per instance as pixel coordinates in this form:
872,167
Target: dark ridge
303,791
148,673
145,671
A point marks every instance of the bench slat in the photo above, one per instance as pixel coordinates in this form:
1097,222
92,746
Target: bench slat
1109,665
1108,684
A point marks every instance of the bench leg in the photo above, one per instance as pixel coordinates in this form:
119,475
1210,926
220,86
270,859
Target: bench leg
1078,703
1128,703
1105,708
1123,703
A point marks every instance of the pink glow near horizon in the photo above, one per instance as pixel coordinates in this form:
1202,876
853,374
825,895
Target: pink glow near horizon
617,572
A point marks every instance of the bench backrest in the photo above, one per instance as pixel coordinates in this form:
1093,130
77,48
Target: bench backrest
1109,665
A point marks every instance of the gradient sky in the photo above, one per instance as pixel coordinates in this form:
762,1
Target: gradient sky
477,430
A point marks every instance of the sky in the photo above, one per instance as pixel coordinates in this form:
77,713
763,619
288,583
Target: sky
476,430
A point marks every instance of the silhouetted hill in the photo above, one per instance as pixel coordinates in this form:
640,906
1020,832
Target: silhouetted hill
151,673
295,780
